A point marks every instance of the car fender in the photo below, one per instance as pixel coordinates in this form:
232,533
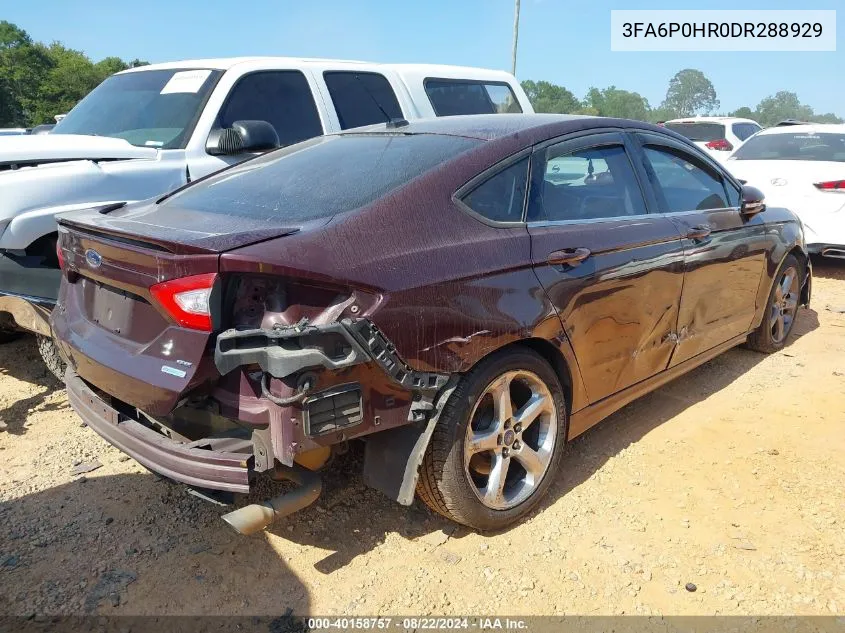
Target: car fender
790,240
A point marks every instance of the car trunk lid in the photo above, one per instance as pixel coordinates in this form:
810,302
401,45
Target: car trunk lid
178,230
117,335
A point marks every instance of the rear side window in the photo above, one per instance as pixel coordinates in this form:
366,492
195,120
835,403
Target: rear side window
320,177
282,98
362,98
794,146
684,185
450,97
701,132
501,197
588,184
744,130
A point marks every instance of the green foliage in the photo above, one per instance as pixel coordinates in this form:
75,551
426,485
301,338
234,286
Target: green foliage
614,102
38,81
744,113
690,92
548,97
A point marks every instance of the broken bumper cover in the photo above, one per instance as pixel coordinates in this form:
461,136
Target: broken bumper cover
197,467
285,351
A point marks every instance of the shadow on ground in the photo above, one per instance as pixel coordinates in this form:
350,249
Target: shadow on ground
20,359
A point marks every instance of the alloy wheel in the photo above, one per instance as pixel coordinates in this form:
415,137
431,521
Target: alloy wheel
510,439
784,305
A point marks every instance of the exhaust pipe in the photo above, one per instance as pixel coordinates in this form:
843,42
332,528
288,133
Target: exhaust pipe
838,253
257,516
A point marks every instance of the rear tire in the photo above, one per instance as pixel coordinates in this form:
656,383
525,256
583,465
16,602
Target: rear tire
497,446
781,309
50,354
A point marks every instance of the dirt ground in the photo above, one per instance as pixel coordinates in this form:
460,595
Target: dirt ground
730,478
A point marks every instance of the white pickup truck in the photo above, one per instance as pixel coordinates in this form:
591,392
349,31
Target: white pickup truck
148,130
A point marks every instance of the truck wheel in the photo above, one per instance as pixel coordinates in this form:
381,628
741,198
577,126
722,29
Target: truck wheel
50,355
498,443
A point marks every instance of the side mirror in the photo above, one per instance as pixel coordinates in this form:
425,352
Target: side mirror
243,136
753,201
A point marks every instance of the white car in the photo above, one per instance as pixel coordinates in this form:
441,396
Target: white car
716,135
801,167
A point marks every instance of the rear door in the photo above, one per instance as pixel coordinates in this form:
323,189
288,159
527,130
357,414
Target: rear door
725,252
613,270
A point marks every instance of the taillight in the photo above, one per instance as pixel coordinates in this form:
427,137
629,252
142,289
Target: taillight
720,144
187,300
60,254
831,185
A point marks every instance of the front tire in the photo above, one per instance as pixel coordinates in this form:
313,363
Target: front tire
497,446
51,357
781,309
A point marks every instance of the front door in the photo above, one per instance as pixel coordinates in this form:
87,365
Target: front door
613,270
725,252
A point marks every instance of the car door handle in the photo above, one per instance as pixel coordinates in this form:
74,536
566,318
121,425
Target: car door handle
699,232
568,256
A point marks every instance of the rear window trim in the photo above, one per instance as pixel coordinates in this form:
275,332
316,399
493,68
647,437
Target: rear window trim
480,82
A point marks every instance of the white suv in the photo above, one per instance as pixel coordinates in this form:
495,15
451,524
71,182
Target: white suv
719,136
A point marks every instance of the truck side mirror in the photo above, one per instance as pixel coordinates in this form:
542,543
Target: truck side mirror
753,201
243,136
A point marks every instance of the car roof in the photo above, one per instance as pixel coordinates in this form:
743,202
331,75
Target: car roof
489,127
226,63
832,128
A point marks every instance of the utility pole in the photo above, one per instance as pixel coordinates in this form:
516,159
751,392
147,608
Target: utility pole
515,37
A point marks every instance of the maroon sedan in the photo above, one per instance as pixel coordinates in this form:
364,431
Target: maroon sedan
463,294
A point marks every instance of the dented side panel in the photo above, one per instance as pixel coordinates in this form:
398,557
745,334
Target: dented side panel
620,306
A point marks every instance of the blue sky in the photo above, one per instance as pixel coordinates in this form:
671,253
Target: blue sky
563,41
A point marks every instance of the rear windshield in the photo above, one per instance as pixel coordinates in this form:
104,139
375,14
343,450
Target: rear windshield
798,146
702,132
320,177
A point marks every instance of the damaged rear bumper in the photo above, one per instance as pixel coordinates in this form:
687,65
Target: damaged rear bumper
199,467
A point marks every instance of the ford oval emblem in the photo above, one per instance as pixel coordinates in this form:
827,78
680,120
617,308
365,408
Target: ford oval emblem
93,258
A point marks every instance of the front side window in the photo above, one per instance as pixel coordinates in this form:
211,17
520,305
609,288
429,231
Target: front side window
451,97
588,184
149,108
501,197
362,98
281,98
684,185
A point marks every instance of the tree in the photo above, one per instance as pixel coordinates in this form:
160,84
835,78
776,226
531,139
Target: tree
548,97
828,117
690,92
744,113
614,102
780,106
37,81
